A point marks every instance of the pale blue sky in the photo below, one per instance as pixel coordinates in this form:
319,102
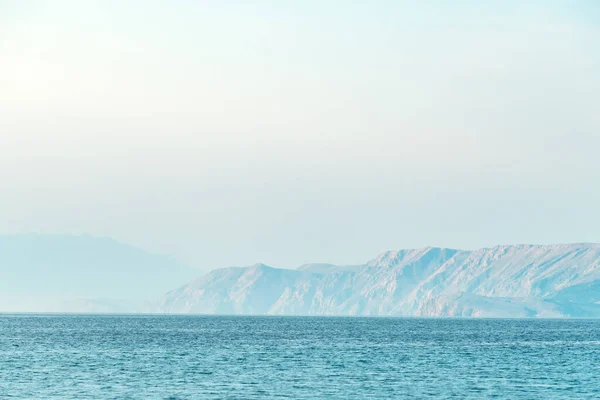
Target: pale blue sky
233,132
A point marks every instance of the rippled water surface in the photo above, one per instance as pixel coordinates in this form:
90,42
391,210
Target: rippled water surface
196,357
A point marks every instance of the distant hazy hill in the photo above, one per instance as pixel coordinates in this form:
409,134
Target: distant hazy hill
83,274
504,281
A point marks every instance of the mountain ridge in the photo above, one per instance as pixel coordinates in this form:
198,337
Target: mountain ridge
82,273
523,280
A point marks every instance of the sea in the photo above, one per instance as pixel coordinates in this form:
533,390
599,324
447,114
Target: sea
268,357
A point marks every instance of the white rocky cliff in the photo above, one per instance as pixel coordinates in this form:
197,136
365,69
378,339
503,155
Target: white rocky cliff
504,281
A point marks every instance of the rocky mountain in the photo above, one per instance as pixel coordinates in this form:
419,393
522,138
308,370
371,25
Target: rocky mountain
504,281
68,273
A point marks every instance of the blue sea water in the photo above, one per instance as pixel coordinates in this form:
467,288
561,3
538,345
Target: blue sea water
206,357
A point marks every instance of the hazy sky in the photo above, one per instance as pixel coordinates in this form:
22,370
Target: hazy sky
284,132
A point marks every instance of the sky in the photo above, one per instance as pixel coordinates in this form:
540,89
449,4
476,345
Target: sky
234,132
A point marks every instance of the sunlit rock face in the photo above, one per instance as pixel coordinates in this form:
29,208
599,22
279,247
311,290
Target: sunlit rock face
504,281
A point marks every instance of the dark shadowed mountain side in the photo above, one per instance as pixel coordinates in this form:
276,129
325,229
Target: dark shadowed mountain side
504,281
55,273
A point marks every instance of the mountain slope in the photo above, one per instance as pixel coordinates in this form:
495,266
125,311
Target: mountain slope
63,273
504,281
